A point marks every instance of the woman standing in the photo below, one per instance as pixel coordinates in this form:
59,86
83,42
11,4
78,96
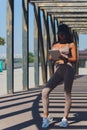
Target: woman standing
64,72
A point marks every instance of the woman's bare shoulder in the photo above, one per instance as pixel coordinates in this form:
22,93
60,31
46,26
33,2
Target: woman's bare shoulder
55,44
72,44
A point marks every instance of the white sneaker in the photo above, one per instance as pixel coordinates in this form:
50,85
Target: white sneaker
46,122
63,123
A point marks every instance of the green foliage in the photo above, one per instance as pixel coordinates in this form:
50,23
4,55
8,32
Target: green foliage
31,57
2,41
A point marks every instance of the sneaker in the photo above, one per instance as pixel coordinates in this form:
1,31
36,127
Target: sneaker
46,122
63,123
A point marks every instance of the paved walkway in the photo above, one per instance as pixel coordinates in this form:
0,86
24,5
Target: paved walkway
23,110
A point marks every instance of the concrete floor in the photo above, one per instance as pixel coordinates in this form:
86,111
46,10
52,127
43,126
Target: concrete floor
23,110
18,85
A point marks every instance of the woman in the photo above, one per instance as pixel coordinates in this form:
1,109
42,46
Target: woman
64,72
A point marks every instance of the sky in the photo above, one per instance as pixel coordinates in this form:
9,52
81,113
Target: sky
18,28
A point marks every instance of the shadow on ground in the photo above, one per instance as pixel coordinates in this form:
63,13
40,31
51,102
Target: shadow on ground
77,121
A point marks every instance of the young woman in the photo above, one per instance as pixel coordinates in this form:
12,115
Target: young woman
64,72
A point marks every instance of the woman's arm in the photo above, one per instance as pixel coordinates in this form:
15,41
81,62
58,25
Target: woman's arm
73,54
73,57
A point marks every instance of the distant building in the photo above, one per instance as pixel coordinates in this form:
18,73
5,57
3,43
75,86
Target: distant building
83,58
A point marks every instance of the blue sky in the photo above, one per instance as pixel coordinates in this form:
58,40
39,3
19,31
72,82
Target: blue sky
18,28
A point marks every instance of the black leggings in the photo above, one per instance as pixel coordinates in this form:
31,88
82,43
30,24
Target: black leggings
64,73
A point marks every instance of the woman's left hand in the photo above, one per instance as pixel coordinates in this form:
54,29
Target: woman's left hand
64,55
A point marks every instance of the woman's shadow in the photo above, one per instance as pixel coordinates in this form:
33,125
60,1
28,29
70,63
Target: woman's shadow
75,121
79,117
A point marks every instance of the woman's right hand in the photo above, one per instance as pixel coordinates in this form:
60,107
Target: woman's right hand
50,57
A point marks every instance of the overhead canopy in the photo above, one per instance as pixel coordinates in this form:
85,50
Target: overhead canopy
70,12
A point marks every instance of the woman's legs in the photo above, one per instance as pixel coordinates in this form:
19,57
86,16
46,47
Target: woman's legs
64,122
68,81
45,101
50,85
67,104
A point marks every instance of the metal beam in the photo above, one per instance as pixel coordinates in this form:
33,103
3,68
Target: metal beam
25,45
72,19
49,40
52,1
36,47
10,46
66,9
73,22
78,26
61,4
69,15
41,46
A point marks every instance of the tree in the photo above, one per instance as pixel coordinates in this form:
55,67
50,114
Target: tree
2,41
31,57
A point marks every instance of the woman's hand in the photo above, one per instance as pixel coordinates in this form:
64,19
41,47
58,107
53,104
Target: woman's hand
50,57
64,57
